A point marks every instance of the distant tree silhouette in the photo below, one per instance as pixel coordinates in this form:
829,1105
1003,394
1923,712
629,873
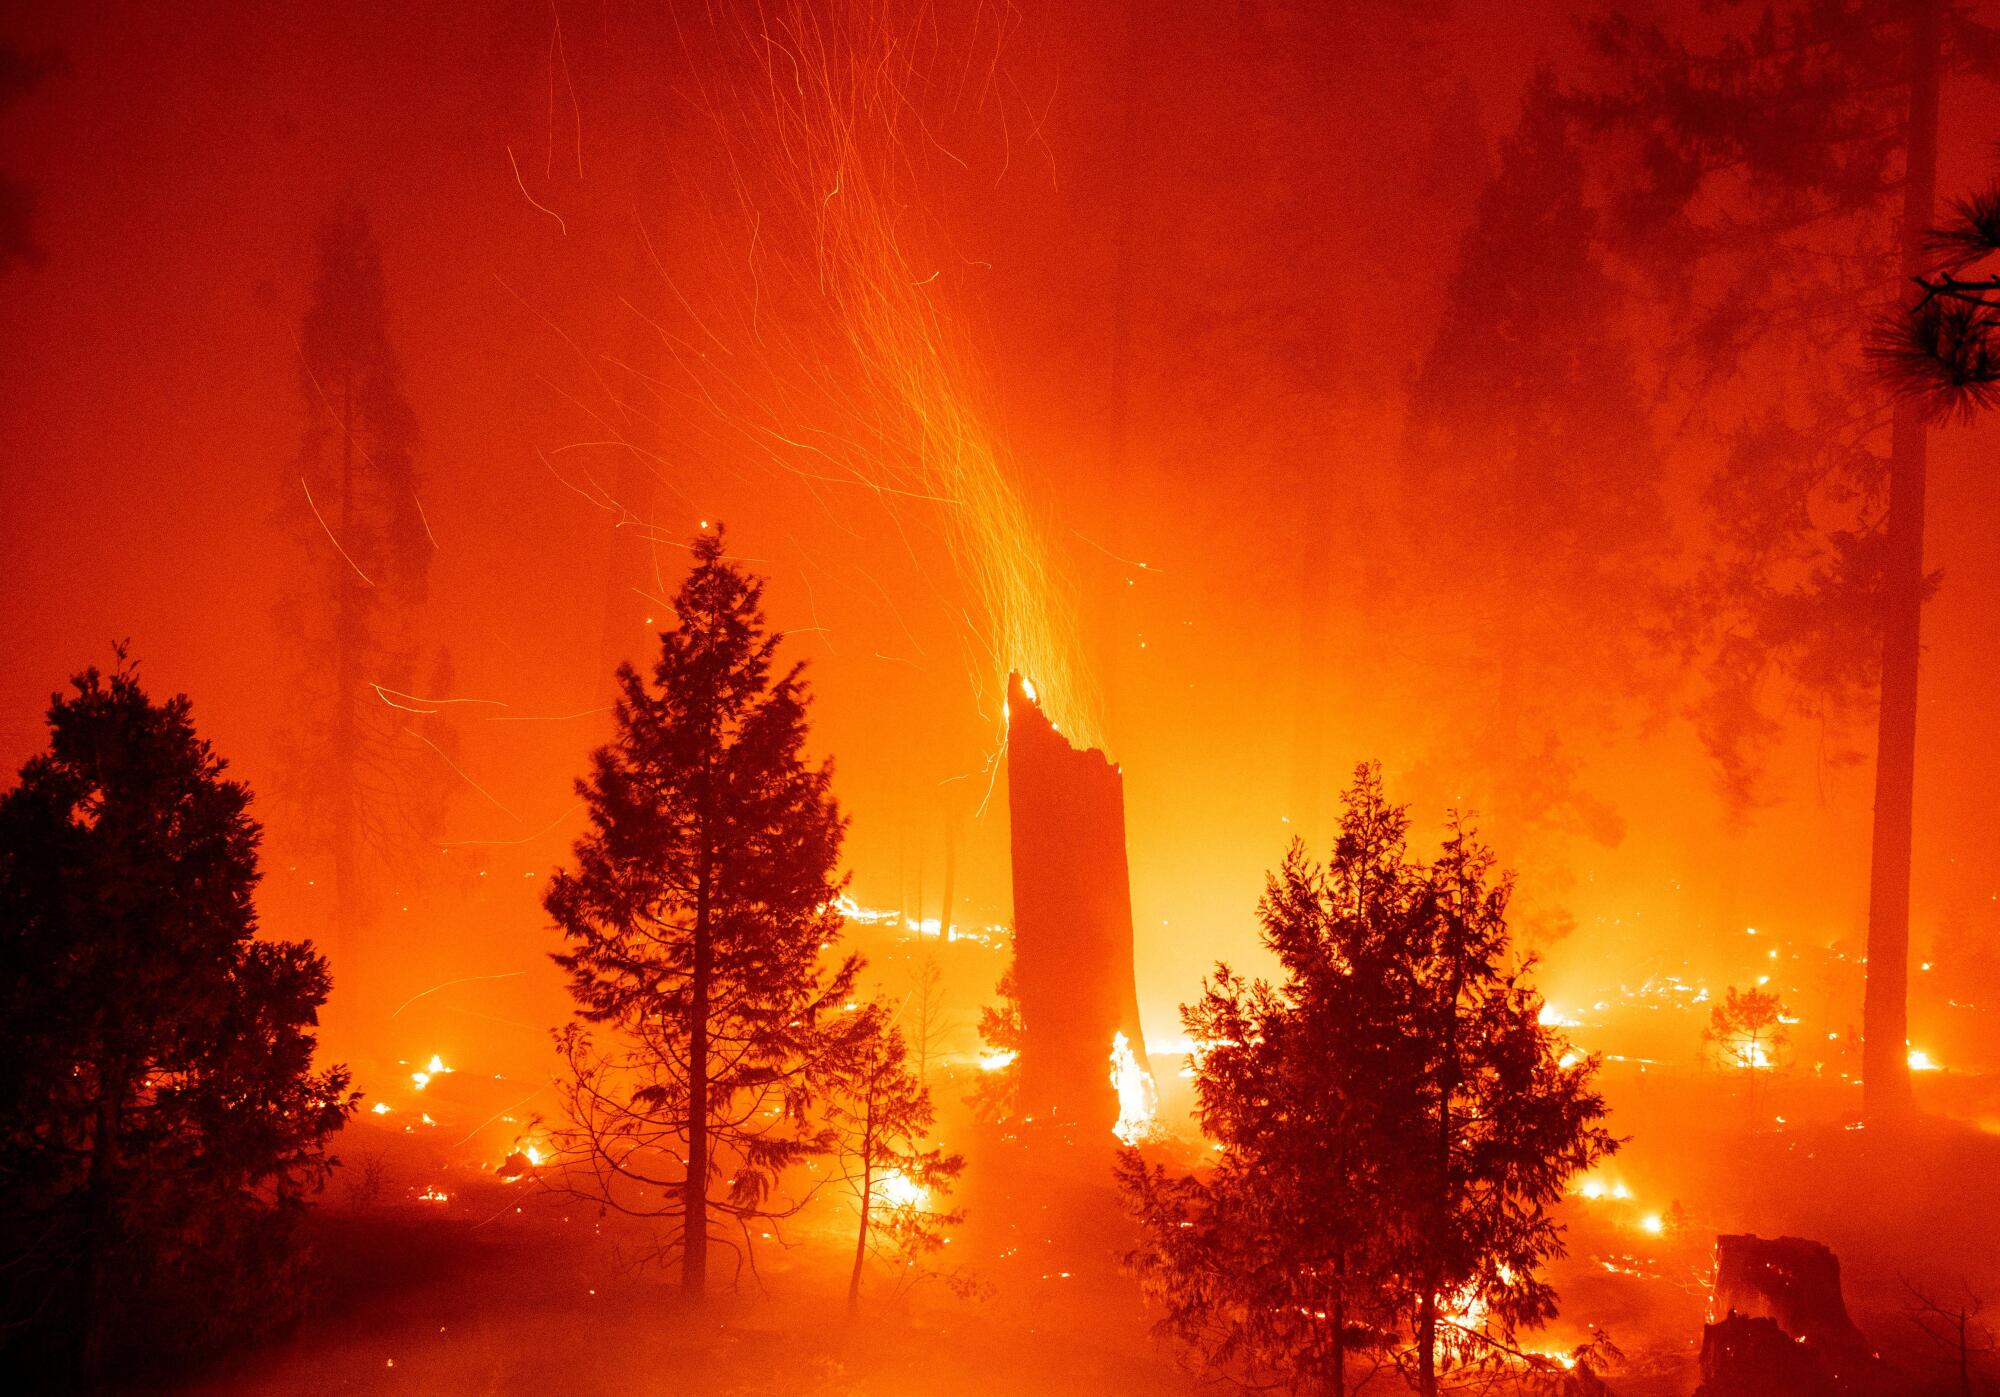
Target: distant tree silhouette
20,72
1394,1123
928,1021
881,1115
700,902
161,1121
1531,489
1747,1031
1777,175
365,777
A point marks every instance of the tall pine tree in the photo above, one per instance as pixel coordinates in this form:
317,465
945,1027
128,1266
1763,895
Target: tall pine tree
366,774
696,915
1531,489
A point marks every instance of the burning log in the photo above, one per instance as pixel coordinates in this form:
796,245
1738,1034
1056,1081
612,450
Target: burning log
1072,926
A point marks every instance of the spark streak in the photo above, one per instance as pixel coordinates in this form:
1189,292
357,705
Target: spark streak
462,980
518,184
461,774
329,534
900,408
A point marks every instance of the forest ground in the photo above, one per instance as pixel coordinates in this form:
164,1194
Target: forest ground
507,1288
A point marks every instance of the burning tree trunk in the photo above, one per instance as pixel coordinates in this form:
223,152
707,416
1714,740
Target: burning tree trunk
1072,919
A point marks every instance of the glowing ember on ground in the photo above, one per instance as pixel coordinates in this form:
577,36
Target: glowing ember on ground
1594,1188
434,1068
520,1161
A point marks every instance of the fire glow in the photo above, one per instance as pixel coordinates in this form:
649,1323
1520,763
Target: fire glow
1443,472
1138,1098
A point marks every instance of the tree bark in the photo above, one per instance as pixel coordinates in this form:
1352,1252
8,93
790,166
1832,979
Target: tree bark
694,1191
1886,1093
867,1198
1339,1342
1448,1078
101,1204
1427,1383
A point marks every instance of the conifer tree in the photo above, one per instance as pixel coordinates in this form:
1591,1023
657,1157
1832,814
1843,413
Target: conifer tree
161,1120
1532,489
881,1116
1393,1123
1001,1029
1747,1032
1503,1125
366,770
695,917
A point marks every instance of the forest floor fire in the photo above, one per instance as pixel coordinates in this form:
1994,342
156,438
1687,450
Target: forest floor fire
504,1287
450,1268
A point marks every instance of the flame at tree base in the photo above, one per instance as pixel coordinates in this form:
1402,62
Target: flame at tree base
1138,1098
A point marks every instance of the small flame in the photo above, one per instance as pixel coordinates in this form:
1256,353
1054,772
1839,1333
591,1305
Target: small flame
1137,1096
1920,1061
899,1190
1751,1057
998,1061
1465,1310
1595,1188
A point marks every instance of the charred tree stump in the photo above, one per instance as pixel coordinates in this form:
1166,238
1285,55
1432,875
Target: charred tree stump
1784,1329
1072,920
